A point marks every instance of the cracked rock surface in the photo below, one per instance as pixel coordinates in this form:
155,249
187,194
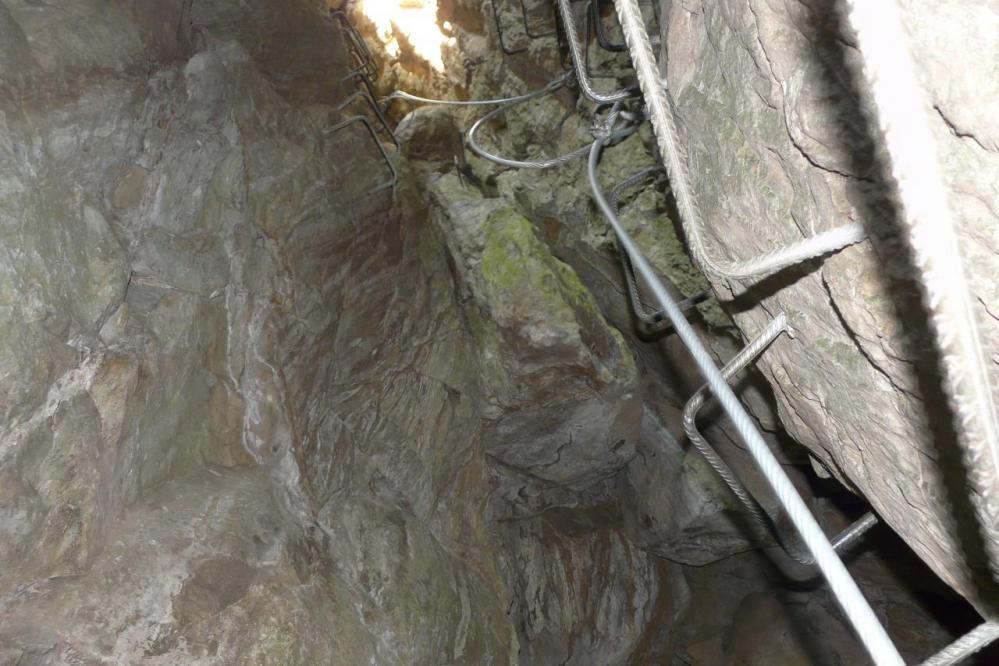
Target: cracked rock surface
779,149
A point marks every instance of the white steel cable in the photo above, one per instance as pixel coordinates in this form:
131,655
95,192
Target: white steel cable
858,611
550,87
902,111
546,163
736,364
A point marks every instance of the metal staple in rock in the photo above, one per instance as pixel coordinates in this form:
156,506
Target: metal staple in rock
675,161
654,320
872,634
847,537
547,163
965,646
578,60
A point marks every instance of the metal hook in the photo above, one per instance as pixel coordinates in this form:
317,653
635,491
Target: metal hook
653,321
527,24
499,32
382,120
554,32
593,24
602,38
365,61
391,182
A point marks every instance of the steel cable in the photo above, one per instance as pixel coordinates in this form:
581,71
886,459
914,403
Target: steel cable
578,62
552,86
546,163
846,538
857,609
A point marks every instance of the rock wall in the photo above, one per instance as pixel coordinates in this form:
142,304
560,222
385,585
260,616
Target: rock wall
561,414
250,413
773,117
237,412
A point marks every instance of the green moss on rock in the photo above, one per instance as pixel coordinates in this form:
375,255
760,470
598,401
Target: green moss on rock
526,288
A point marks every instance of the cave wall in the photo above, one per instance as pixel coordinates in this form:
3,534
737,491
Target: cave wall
237,415
769,106
249,414
253,415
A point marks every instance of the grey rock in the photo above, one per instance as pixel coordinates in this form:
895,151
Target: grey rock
771,111
241,402
216,394
559,381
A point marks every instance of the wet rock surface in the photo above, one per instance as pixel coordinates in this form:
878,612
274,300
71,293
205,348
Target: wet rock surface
583,593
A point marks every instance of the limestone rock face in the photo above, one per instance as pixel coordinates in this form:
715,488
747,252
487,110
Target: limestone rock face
562,417
198,571
769,106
